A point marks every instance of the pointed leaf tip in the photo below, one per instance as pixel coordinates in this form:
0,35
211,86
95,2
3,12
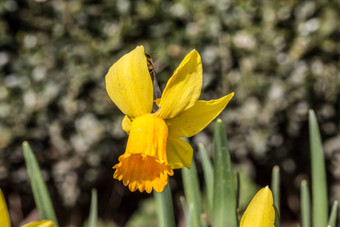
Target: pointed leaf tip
319,181
25,143
333,216
93,209
224,198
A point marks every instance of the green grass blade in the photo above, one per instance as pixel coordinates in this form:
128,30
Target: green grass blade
41,195
238,192
208,173
192,193
187,210
224,204
319,184
276,192
93,209
188,220
305,204
276,186
333,216
165,210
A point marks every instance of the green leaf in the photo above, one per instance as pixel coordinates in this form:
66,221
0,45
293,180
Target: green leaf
187,210
333,216
41,195
238,192
208,173
305,204
276,186
93,209
192,193
224,202
276,192
277,216
319,183
165,211
188,217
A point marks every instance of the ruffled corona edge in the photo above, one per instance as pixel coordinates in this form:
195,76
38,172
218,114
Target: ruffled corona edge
142,173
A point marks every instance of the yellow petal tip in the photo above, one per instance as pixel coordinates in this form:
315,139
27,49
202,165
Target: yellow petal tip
260,212
128,83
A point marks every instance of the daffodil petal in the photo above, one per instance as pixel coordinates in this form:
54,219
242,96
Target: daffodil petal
126,124
129,84
196,118
43,223
260,212
4,218
183,88
179,153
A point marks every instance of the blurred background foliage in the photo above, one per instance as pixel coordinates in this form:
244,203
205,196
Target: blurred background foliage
279,57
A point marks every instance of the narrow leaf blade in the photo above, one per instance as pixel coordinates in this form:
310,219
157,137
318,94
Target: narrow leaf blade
40,193
188,220
208,173
305,204
333,216
319,184
192,193
276,186
276,192
165,211
93,209
224,202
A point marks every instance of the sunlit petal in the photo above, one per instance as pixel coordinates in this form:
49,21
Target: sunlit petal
129,84
183,88
43,223
179,153
4,218
196,118
260,212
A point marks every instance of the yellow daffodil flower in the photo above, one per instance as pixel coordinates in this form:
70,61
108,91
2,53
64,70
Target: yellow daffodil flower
4,218
154,148
260,212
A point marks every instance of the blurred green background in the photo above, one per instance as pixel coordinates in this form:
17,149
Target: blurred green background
281,58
